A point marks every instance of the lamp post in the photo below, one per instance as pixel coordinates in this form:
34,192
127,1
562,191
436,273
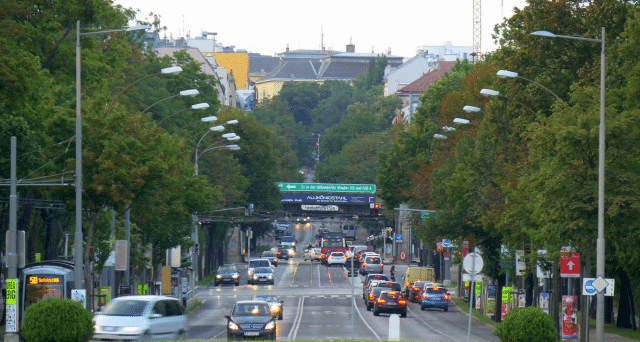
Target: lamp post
203,105
78,255
601,174
491,92
190,92
513,74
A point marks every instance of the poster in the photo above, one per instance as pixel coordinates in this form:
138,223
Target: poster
522,298
544,302
104,295
79,295
569,318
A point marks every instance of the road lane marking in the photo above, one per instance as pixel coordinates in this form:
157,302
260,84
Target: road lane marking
420,318
355,307
296,321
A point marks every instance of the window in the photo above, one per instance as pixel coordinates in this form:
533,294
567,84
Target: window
173,308
160,308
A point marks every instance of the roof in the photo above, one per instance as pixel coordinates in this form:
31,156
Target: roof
294,70
261,65
427,80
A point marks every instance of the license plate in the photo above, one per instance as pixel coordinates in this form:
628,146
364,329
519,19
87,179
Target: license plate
392,303
251,333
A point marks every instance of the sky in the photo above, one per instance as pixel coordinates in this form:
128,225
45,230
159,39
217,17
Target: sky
267,27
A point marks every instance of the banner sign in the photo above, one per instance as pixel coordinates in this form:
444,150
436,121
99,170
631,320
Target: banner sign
326,187
12,306
319,207
333,199
569,318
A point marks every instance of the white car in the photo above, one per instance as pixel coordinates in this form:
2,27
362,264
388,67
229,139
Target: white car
336,258
253,263
141,317
313,254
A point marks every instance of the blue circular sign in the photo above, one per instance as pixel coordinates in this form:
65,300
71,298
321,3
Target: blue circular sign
399,236
588,287
446,243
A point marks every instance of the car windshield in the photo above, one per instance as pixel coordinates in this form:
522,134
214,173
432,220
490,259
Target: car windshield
226,269
390,295
373,260
338,254
263,270
270,299
419,284
251,309
434,290
259,263
268,254
125,308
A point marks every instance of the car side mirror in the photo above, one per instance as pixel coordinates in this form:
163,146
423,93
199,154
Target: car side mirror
227,316
155,315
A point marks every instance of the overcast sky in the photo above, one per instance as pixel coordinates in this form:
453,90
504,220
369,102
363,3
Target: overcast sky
267,27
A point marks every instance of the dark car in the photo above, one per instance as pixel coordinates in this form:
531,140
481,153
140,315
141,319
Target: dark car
275,304
262,275
390,302
435,297
251,319
373,296
283,253
227,274
272,256
415,291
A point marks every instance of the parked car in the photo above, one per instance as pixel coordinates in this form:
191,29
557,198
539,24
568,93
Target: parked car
227,274
275,305
390,302
262,275
271,256
251,319
137,317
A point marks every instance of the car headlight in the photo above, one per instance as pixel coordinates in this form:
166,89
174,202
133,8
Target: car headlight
270,277
250,272
218,276
235,276
270,326
131,329
233,326
255,277
275,309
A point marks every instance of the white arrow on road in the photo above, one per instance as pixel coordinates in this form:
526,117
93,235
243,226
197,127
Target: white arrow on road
570,264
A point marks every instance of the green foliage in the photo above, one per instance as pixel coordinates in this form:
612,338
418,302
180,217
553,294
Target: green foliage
528,324
54,320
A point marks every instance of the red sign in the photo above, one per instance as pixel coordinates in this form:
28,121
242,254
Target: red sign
465,248
569,320
439,247
569,263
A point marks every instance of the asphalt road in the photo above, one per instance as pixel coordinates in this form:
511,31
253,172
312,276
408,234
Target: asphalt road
323,303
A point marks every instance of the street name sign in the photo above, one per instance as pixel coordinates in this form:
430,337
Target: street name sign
327,187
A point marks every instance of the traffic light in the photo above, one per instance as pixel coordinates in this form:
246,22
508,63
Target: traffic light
376,208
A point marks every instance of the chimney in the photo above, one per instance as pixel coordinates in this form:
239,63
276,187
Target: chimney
351,47
287,48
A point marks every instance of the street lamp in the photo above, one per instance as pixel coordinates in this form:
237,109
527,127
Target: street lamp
190,92
491,92
79,262
471,109
513,74
601,174
439,136
461,121
203,105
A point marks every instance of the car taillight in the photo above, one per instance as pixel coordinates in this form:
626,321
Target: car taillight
424,296
381,264
415,289
402,302
364,264
446,297
381,301
371,297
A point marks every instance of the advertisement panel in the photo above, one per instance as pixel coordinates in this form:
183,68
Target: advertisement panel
569,318
324,198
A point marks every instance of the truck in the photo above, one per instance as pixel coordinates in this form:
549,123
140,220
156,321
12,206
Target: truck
281,228
414,274
348,230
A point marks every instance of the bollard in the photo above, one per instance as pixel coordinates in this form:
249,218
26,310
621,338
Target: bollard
394,327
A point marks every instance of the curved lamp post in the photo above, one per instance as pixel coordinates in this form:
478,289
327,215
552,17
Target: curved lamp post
491,92
461,121
471,109
190,92
513,74
203,105
601,173
78,268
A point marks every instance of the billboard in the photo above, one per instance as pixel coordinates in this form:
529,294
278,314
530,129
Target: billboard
333,199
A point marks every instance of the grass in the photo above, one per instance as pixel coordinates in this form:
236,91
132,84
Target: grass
464,306
194,307
207,279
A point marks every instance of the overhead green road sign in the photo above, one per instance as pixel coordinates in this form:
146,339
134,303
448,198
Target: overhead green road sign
325,187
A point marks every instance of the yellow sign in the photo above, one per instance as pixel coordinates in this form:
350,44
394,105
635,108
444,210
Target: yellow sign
506,293
142,289
166,279
34,280
11,292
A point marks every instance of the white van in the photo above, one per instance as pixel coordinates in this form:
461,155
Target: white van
253,263
141,317
349,231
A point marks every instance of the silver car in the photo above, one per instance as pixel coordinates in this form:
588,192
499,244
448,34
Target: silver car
262,275
371,264
141,317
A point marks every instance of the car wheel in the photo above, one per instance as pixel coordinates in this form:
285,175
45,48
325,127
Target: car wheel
368,307
215,284
446,309
237,283
404,314
229,336
272,282
422,308
273,337
376,313
280,317
182,335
